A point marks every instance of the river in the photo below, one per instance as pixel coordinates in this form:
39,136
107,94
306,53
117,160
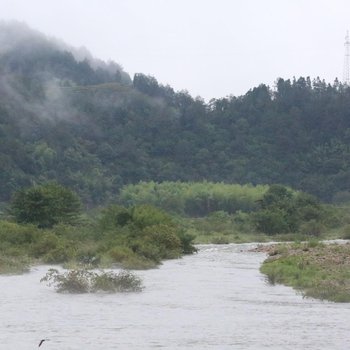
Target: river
215,299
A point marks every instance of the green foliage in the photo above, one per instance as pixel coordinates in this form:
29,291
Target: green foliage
222,227
277,196
123,281
84,281
147,215
312,228
45,205
87,126
143,235
49,246
146,84
120,254
16,234
283,211
140,216
187,242
166,239
292,271
272,221
114,216
74,281
243,222
316,270
13,264
193,199
137,237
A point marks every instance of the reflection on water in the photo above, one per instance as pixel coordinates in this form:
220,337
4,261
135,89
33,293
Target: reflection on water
216,299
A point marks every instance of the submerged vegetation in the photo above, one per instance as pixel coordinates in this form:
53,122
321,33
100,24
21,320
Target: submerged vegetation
315,269
85,281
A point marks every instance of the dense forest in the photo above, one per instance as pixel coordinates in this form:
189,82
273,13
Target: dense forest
68,117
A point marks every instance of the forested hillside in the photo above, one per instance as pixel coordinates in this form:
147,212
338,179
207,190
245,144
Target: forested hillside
68,117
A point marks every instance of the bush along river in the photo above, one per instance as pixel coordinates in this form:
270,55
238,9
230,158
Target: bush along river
215,299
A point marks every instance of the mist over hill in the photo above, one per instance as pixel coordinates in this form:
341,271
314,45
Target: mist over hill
67,116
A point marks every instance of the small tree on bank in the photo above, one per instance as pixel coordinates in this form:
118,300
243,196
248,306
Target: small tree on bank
45,205
283,210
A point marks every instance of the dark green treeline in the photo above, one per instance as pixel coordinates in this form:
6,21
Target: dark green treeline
95,130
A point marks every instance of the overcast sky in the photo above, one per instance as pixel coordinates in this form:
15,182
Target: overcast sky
211,48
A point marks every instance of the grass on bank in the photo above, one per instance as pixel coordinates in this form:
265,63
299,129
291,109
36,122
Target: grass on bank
316,270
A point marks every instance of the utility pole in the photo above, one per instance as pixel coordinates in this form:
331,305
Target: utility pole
346,76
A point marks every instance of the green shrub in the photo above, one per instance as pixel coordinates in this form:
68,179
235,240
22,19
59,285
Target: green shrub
283,210
187,242
45,243
147,215
74,281
114,216
165,238
271,221
16,234
87,253
147,250
84,281
243,222
120,253
62,253
52,249
312,228
45,205
80,233
123,281
13,265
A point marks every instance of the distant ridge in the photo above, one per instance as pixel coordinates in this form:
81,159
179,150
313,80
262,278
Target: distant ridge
86,124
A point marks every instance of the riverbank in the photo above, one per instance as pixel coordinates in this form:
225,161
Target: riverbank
317,270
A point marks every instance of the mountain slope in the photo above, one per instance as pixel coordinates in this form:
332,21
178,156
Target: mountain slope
84,123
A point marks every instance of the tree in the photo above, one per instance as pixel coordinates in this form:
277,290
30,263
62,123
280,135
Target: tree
283,211
45,205
146,84
277,196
